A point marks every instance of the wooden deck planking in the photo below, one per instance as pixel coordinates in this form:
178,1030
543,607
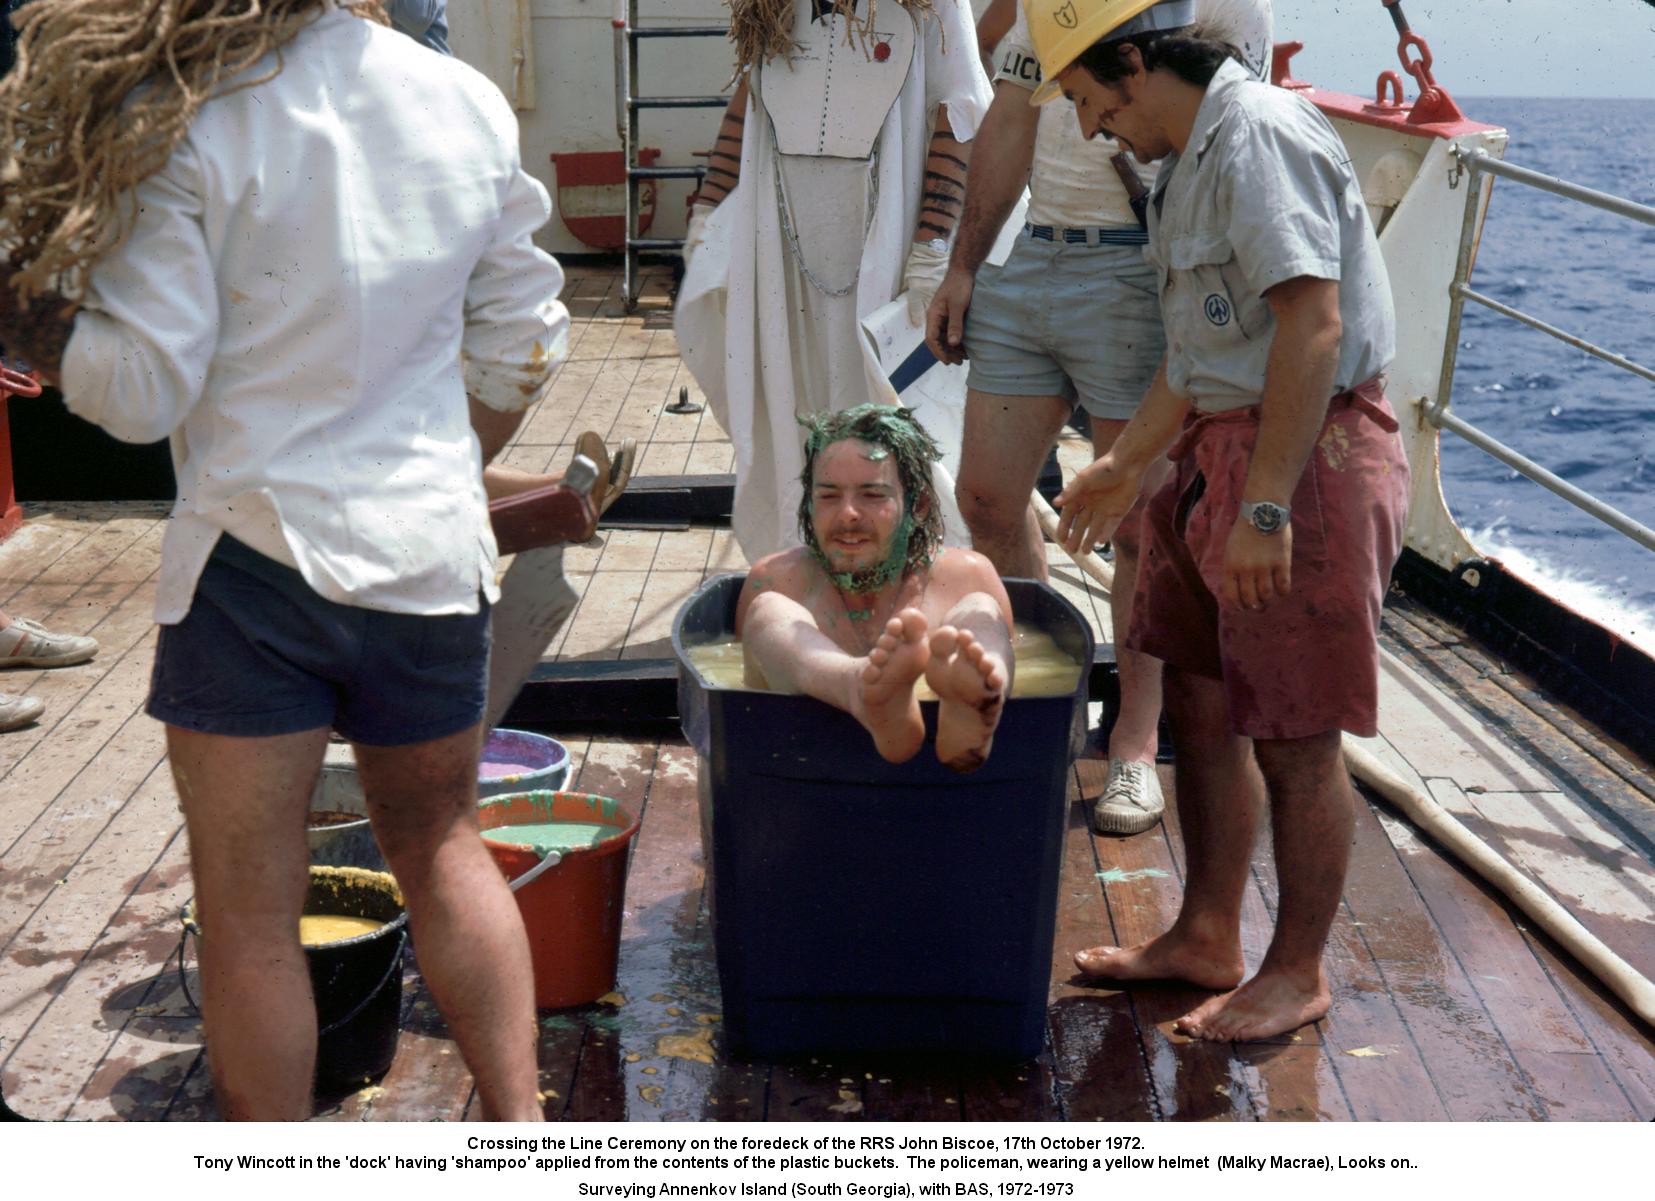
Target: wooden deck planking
117,612
551,422
663,458
595,1086
35,545
87,803
1099,1069
1540,1036
105,967
669,1029
641,410
711,458
1470,1063
1190,1080
1288,1077
1378,1069
89,705
599,627
155,1064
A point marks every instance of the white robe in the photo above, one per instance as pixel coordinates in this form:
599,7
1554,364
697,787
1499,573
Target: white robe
767,346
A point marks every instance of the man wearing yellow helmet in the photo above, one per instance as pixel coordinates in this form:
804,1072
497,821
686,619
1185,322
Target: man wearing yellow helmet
1266,553
1070,316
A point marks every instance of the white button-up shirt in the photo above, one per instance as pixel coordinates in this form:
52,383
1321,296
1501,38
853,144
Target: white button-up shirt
328,264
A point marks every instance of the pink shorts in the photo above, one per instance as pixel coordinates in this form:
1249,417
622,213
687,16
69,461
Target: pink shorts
1308,662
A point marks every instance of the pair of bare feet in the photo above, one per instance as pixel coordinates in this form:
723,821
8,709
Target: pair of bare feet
1273,1002
970,683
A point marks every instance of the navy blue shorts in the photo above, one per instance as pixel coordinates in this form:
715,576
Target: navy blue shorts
260,653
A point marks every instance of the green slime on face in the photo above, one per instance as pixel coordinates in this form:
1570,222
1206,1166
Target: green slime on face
870,579
889,431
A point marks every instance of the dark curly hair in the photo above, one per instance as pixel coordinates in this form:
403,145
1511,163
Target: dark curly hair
900,432
1185,52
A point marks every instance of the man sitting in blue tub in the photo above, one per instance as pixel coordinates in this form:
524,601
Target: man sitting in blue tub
873,601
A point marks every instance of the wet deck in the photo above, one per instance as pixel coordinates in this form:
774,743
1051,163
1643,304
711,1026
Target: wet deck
1446,1004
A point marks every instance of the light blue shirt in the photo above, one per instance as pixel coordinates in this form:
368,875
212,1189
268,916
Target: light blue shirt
1263,193
422,20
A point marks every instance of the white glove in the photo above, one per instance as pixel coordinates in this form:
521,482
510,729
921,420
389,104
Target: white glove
922,276
696,232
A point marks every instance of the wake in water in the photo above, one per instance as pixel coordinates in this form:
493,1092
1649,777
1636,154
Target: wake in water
1590,597
1594,425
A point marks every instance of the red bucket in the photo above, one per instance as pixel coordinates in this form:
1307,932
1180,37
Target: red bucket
572,909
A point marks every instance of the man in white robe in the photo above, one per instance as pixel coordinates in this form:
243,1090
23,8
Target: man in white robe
831,220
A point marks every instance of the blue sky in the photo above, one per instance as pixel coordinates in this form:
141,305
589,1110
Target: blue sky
1481,47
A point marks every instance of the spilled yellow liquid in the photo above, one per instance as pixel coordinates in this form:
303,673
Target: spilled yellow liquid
318,928
1043,668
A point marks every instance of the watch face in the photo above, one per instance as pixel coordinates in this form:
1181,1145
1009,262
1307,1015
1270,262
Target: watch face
1268,518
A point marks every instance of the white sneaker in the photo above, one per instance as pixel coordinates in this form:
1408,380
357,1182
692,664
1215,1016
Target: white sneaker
1131,802
26,643
16,711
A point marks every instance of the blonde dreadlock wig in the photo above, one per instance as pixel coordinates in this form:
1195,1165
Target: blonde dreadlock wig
763,29
100,94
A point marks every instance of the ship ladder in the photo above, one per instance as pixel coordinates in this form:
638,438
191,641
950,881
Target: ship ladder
629,105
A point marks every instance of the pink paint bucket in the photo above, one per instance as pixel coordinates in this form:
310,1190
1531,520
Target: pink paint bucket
519,761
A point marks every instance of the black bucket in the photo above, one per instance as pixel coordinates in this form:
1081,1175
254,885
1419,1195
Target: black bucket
357,981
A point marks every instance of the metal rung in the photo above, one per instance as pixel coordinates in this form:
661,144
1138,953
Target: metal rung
681,31
666,172
654,243
637,102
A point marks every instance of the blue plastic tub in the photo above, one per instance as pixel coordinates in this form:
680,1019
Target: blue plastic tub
864,906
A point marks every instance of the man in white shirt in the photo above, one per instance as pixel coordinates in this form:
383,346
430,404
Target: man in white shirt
1072,315
321,267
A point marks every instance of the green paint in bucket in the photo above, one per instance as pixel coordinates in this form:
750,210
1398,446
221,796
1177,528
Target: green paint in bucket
572,911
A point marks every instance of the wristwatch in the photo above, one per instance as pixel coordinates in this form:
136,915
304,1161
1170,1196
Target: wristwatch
938,245
1265,516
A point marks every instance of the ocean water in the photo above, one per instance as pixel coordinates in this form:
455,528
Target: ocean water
1593,274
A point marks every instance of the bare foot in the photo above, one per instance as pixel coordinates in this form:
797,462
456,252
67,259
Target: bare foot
1170,957
1268,1004
970,683
886,704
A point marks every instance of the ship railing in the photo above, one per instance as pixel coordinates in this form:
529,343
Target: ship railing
628,106
1475,164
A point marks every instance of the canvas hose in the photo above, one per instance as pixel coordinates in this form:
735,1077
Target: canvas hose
1620,977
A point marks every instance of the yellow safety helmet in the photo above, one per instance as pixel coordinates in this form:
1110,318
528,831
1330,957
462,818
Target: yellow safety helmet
1062,30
